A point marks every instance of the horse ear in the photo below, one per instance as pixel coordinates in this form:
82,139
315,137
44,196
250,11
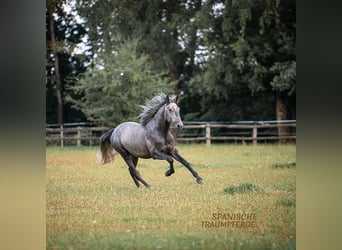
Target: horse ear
167,99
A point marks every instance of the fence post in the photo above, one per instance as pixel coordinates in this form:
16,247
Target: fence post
255,134
207,134
62,137
78,136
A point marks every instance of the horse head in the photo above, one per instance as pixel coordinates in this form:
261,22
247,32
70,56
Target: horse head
172,112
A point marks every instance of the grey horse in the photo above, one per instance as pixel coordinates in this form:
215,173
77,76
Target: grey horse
150,138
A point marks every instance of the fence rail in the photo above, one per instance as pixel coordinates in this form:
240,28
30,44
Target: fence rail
74,136
252,135
192,132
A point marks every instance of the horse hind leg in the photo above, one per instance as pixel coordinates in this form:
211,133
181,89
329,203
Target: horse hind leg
135,162
131,161
134,178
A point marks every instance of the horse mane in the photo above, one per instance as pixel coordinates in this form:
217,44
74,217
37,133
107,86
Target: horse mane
151,108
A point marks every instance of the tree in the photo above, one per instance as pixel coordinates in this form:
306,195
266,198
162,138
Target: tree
221,82
279,26
53,56
63,33
110,94
249,51
131,68
229,60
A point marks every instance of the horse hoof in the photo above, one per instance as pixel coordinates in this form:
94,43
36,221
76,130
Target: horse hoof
199,181
168,173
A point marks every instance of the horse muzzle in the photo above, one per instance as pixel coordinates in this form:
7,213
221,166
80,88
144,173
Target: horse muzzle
179,126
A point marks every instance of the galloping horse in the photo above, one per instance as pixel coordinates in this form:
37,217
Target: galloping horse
150,138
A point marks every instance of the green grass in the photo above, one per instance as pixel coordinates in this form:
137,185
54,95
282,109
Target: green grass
98,207
242,188
287,201
284,165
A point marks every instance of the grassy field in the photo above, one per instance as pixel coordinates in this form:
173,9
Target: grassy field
99,207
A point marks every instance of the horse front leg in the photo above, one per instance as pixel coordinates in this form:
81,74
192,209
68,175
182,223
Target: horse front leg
179,158
170,171
162,156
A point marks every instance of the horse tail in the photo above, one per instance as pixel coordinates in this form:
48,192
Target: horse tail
107,154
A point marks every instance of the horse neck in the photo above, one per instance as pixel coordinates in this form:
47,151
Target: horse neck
158,123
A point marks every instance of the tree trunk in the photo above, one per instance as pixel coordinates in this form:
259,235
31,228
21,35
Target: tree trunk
281,115
193,38
53,47
242,112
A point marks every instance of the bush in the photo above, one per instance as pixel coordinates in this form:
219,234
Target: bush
284,165
242,188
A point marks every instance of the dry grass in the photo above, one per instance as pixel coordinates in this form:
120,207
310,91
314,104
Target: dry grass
98,207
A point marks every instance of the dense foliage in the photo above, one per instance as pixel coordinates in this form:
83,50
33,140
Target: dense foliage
228,60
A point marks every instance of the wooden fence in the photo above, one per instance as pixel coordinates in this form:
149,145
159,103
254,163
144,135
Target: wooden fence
245,132
75,136
249,132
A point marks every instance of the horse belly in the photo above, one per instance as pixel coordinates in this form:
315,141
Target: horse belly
132,139
137,149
